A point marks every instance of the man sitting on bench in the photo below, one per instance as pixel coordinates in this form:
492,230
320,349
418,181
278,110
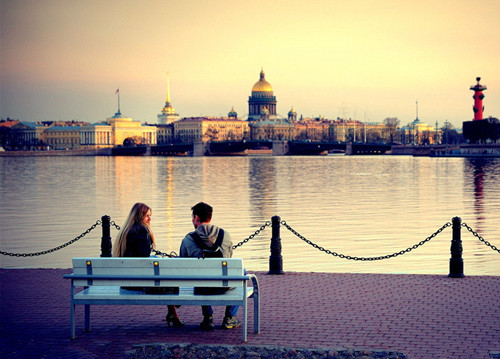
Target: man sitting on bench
209,240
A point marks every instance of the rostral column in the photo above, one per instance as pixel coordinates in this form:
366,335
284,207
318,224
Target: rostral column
478,100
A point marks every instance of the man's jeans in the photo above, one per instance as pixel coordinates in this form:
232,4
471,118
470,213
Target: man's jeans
231,310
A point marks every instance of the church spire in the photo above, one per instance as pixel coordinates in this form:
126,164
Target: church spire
167,114
168,109
168,89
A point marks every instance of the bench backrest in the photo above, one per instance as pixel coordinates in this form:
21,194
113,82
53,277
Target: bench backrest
174,272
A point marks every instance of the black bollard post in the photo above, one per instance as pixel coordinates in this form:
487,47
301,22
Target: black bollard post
106,237
275,260
456,261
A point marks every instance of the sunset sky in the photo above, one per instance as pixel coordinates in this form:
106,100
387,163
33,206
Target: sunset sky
360,59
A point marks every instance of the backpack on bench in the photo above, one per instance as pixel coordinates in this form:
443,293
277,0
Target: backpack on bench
214,251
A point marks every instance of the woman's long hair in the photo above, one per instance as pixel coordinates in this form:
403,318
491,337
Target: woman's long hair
136,215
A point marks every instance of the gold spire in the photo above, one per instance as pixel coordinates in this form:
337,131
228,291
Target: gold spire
168,89
168,109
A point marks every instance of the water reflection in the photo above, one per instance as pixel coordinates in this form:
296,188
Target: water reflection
167,185
358,206
483,175
262,185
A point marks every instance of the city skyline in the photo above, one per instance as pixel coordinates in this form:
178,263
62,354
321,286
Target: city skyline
365,60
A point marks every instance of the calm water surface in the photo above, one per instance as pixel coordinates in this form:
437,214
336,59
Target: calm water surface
355,205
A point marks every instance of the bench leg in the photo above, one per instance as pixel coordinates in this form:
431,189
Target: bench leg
256,305
72,321
256,313
245,310
87,317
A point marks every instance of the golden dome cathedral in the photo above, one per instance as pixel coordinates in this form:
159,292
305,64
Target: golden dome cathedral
262,102
262,85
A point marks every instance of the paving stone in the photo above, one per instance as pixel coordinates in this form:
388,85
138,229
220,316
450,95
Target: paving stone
421,316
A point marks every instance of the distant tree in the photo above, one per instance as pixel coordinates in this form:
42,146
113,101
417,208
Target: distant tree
392,124
373,135
133,141
4,131
301,136
495,128
450,135
212,134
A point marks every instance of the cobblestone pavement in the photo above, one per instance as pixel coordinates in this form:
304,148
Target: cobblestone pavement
422,316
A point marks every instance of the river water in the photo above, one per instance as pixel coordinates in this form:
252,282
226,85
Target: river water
361,206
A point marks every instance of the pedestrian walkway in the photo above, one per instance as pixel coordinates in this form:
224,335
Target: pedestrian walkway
422,316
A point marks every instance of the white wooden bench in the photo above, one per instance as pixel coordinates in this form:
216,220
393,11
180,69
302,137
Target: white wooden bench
102,279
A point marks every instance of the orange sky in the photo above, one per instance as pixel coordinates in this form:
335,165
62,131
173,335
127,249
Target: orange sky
363,59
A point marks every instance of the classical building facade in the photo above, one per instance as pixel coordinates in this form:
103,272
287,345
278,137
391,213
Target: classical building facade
278,129
96,135
164,134
312,129
117,131
15,135
41,135
204,129
123,128
62,137
419,133
349,130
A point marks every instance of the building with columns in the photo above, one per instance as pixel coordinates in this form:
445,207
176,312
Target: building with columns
125,128
314,129
116,131
262,102
419,133
15,135
278,129
62,137
204,129
96,135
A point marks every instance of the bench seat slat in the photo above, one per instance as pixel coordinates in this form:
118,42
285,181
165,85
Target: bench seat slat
117,295
155,281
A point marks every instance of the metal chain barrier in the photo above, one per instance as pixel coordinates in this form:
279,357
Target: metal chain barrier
97,223
163,254
257,232
475,234
448,224
267,224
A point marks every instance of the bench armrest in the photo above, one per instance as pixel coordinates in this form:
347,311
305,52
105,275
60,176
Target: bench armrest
255,282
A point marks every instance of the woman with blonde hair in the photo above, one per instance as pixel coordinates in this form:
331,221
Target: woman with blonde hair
136,239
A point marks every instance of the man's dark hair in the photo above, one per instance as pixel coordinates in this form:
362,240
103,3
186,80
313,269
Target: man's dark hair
203,211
